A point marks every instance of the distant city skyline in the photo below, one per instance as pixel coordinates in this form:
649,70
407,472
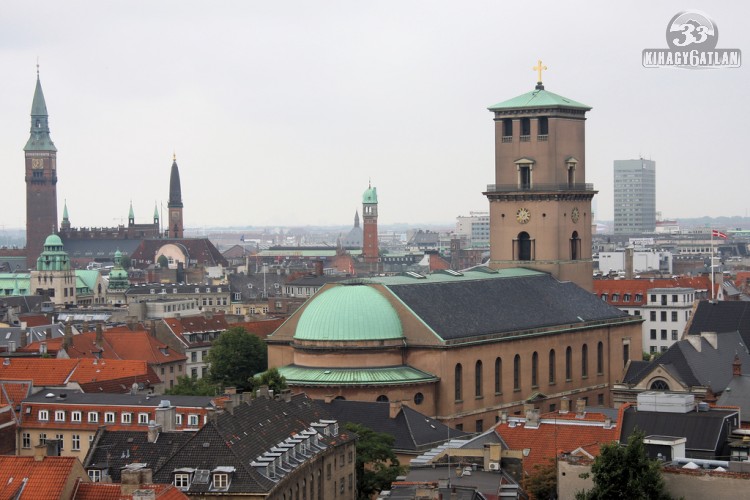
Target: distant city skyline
280,116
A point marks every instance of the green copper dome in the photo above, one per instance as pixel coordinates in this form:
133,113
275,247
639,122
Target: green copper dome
53,240
349,313
370,196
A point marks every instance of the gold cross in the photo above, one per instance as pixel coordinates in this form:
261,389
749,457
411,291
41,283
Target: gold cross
539,68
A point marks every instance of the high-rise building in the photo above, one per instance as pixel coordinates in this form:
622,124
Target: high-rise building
635,196
41,178
540,204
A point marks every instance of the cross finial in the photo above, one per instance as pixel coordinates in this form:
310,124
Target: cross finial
539,68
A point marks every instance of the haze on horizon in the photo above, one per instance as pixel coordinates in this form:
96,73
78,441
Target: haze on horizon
280,113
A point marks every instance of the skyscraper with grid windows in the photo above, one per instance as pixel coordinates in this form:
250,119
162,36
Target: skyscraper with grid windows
635,196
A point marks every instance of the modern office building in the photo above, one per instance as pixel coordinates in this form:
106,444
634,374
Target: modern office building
635,196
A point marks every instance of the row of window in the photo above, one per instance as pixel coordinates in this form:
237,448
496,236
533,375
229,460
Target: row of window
552,370
110,417
663,334
525,123
75,440
524,248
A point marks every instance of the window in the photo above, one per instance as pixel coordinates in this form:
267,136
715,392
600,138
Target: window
568,363
600,399
575,248
659,385
626,297
26,440
95,475
674,298
674,334
221,481
507,130
585,360
59,416
638,297
625,354
457,381
543,126
76,439
525,129
418,398
328,471
534,369
126,417
60,441
517,373
193,420
341,485
674,315
109,417
93,417
664,315
664,335
182,481
75,416
178,419
552,366
480,425
652,316
498,375
42,438
600,358
523,244
351,480
43,414
459,427
143,418
653,298
652,333
478,379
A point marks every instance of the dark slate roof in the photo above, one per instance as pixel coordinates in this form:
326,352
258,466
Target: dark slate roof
98,248
412,431
25,304
251,286
33,334
722,316
313,280
200,250
77,397
737,393
708,367
634,370
502,305
116,449
702,429
236,439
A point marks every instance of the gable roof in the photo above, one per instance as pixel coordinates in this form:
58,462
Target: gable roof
412,431
45,478
618,289
42,371
12,393
113,375
200,250
722,316
737,394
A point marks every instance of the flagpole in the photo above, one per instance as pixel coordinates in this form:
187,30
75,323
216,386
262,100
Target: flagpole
712,265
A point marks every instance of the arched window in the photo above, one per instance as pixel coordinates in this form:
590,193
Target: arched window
524,246
659,385
575,246
457,381
517,372
568,363
342,398
551,366
478,379
585,360
534,369
599,358
498,375
382,399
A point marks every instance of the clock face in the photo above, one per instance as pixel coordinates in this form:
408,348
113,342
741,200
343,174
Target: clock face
37,163
574,215
523,215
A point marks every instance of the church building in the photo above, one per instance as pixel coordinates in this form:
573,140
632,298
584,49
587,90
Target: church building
464,345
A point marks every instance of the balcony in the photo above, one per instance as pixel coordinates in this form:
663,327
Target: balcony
538,187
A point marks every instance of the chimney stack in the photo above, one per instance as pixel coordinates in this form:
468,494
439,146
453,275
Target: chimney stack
68,336
564,405
48,334
503,417
22,339
153,431
394,408
99,333
580,407
736,366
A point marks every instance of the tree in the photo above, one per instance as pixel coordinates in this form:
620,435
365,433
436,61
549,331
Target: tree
125,262
625,472
272,378
542,483
235,357
375,451
189,386
163,261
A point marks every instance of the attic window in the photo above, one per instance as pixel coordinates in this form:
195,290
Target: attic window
182,481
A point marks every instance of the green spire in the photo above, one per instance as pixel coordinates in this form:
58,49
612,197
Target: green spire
370,195
39,139
156,212
131,214
65,211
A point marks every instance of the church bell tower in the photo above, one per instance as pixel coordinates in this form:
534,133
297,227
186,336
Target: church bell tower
175,228
540,204
41,178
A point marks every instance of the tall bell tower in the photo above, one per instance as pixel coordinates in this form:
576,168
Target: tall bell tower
41,178
175,228
540,204
370,250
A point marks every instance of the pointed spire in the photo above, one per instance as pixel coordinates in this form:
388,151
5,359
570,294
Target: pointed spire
131,214
175,190
39,139
356,218
65,211
156,212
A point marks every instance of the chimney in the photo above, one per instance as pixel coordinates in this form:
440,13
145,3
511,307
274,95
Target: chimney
48,334
564,405
132,477
736,366
580,407
263,392
527,407
99,333
42,348
286,395
230,390
532,418
246,397
144,494
629,253
40,451
503,417
229,406
318,268
22,339
86,324
607,422
164,416
394,408
153,431
68,337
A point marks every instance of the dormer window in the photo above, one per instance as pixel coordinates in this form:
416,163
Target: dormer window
221,481
182,481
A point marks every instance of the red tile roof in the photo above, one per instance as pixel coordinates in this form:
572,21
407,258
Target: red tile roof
12,393
556,433
641,286
33,320
262,328
42,371
46,478
108,491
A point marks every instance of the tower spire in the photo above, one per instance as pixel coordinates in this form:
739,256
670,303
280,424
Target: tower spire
174,223
39,139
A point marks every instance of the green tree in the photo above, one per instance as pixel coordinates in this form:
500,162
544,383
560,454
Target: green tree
375,451
189,386
163,261
542,483
235,357
126,262
272,378
625,472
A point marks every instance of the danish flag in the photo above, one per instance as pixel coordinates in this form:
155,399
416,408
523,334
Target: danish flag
718,234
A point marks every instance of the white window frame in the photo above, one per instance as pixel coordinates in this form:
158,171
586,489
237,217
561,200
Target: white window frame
26,440
59,415
193,420
178,419
60,439
182,481
75,417
44,415
109,417
126,417
95,475
93,417
221,481
76,442
143,418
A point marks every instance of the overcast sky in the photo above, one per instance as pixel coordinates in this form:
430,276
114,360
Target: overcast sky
280,112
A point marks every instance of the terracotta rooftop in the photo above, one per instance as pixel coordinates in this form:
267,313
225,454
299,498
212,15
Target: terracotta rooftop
42,371
620,288
262,328
45,478
109,491
12,393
